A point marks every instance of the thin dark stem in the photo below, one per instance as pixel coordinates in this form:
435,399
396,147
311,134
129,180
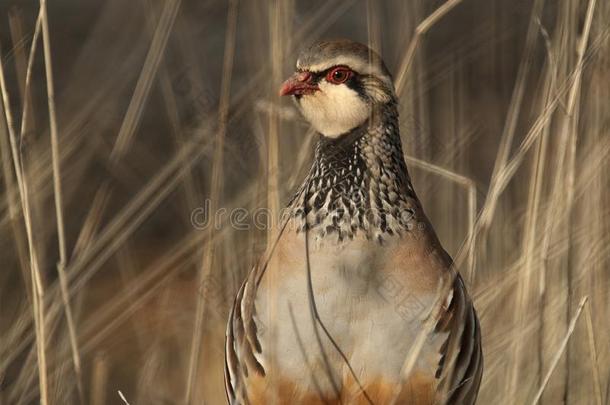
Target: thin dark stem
316,317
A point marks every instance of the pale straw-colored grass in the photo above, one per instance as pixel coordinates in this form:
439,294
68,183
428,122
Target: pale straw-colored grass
110,294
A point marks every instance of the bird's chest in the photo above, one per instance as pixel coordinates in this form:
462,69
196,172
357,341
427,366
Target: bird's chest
341,306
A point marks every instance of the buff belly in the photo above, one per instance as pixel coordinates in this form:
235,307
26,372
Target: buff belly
366,305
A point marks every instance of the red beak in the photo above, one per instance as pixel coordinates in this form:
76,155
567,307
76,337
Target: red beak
298,84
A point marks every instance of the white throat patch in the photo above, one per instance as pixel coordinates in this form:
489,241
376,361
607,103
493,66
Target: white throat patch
334,109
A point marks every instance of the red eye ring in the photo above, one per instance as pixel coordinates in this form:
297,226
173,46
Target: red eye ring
339,75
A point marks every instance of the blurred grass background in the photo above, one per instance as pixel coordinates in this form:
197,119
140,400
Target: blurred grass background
159,106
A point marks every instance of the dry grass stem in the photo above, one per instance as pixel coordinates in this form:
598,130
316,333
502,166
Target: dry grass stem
471,190
122,397
516,102
61,237
215,195
36,279
164,121
560,350
422,28
420,340
597,384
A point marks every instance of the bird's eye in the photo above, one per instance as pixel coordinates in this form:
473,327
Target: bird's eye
339,75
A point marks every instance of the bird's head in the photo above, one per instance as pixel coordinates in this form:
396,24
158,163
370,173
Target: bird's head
338,84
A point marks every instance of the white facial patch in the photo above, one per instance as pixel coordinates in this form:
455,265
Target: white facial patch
335,109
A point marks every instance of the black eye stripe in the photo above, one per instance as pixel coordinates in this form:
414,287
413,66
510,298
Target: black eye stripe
317,76
353,82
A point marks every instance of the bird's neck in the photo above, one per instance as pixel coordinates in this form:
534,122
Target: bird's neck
359,183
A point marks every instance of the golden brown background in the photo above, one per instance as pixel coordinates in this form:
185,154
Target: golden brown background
162,105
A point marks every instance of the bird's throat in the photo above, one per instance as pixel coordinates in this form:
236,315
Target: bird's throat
358,183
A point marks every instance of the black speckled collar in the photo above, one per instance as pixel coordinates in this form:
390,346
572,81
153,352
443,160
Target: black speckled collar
358,183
